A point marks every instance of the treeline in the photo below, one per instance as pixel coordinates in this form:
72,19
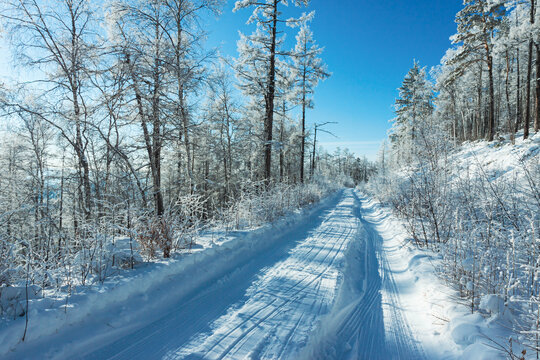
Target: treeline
488,83
453,195
124,125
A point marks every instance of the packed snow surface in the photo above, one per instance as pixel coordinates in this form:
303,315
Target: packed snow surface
329,285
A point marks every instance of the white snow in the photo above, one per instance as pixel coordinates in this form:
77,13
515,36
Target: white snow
128,301
334,282
445,329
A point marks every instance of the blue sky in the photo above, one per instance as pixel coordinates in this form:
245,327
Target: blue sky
369,47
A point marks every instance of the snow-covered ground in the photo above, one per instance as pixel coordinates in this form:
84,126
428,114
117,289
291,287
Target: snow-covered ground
494,180
333,282
413,291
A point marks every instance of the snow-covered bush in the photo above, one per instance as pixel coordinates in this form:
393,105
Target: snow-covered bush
478,206
493,304
106,257
175,230
154,235
6,255
189,216
256,206
124,253
13,299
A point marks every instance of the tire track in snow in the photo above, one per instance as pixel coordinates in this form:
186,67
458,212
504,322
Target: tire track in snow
319,273
266,307
400,342
364,324
285,295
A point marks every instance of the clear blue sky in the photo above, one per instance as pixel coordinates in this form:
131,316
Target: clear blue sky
369,47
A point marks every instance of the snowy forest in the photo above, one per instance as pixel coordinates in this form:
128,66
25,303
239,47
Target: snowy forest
126,124
476,207
128,145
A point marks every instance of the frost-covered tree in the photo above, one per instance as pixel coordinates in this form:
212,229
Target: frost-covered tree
309,69
58,42
222,115
128,139
453,196
159,46
138,31
477,23
256,65
528,101
412,109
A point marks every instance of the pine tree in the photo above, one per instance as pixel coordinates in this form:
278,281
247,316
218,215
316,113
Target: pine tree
412,108
477,24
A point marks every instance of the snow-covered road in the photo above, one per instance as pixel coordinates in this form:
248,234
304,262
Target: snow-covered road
314,294
366,321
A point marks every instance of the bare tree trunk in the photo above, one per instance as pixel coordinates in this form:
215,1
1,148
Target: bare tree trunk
314,152
491,125
537,113
156,129
181,101
302,151
227,152
158,199
478,119
269,118
527,123
281,154
491,114
80,146
508,105
61,206
518,95
185,124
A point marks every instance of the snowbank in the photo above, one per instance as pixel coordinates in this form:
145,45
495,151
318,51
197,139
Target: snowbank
445,329
476,209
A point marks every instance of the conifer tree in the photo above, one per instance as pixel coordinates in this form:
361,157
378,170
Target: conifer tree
477,24
412,108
